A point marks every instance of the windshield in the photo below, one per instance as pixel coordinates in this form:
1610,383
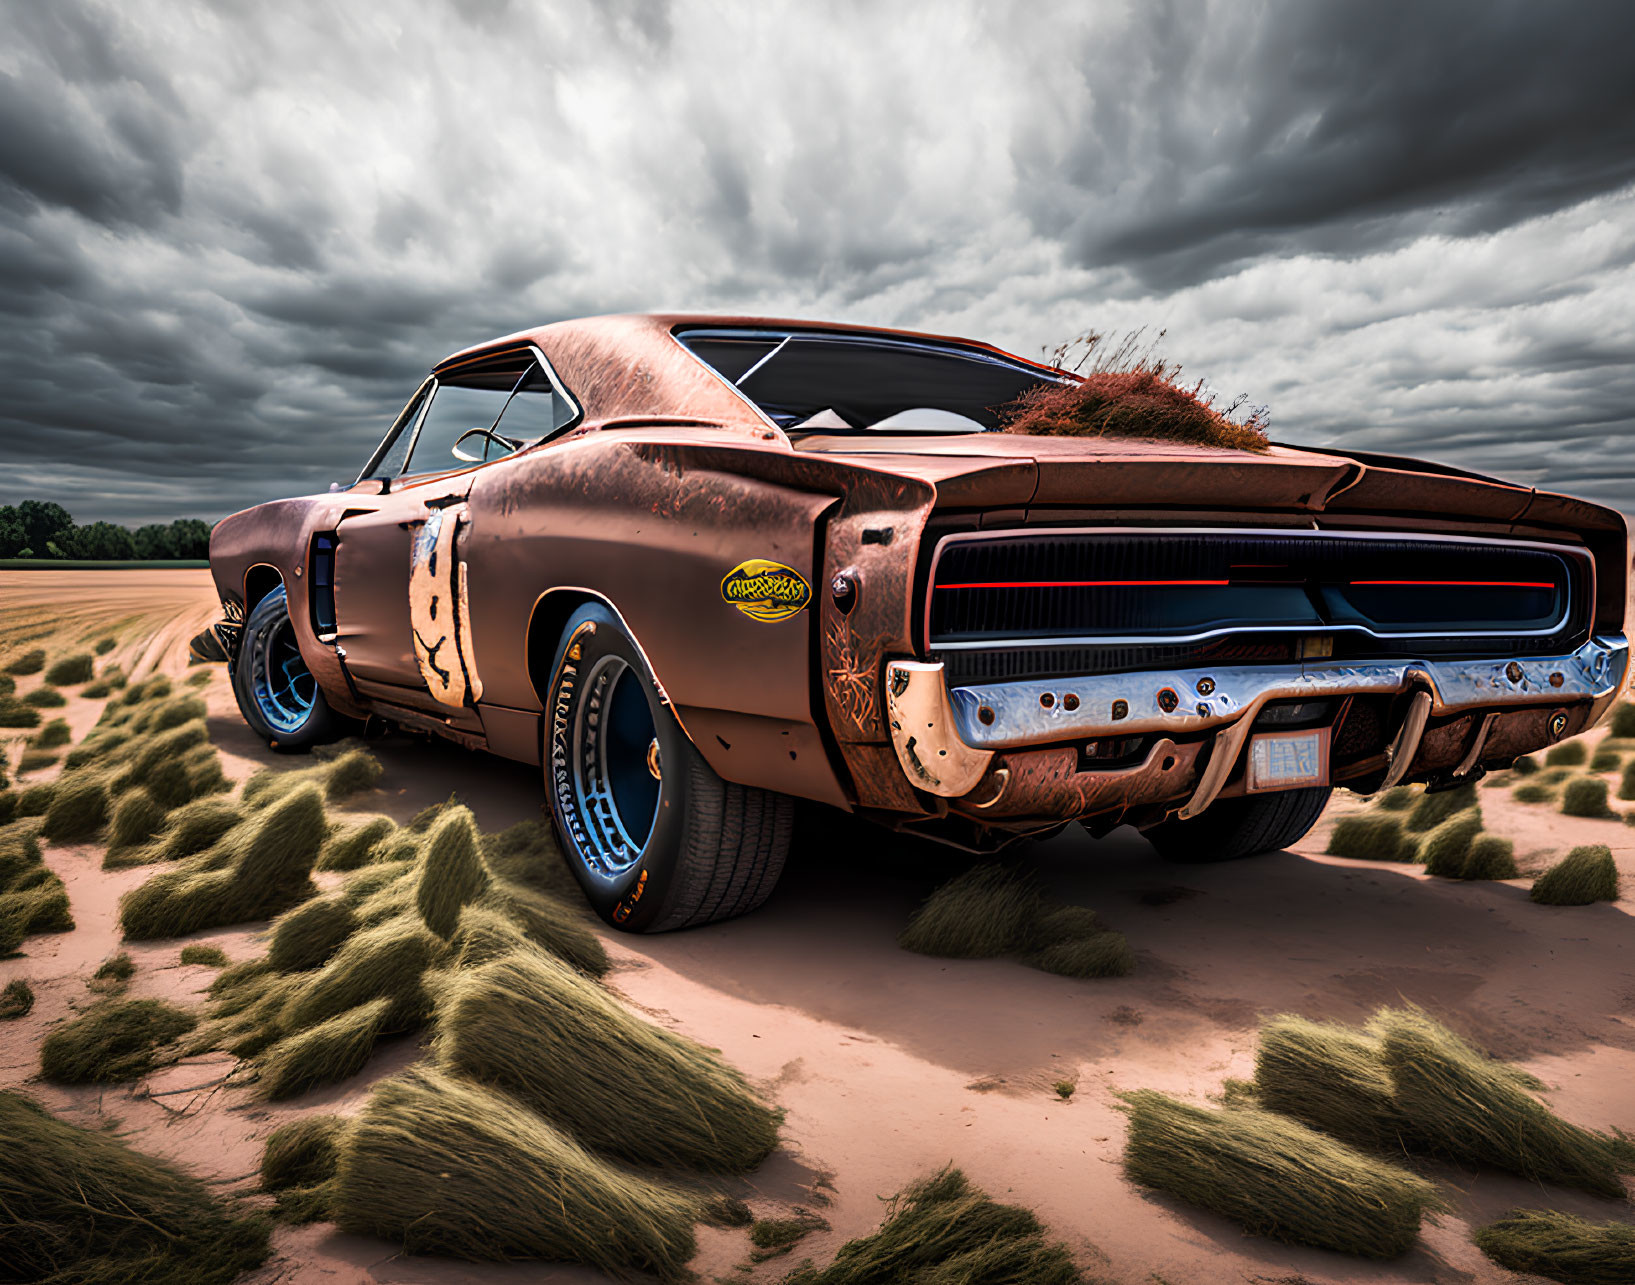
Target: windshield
834,382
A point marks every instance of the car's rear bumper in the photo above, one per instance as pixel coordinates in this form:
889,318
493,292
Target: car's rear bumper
963,743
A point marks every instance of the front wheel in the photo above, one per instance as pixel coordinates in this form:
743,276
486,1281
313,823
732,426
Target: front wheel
1235,828
655,838
276,692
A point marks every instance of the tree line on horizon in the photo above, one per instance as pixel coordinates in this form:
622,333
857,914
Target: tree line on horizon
41,529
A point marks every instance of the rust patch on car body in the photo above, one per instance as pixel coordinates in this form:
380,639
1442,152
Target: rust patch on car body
440,611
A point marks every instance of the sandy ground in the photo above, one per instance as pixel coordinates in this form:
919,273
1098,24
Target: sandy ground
891,1065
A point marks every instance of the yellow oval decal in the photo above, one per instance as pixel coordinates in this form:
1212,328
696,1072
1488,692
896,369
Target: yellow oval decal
765,590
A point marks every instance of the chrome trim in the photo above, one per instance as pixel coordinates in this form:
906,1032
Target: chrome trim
916,692
1326,533
924,735
1595,670
776,349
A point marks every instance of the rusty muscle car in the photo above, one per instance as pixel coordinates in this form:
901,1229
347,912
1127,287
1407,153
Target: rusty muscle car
699,568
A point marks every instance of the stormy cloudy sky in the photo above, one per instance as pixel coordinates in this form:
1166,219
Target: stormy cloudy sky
234,235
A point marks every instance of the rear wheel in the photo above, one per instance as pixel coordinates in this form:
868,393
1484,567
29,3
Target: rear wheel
1235,828
276,692
655,838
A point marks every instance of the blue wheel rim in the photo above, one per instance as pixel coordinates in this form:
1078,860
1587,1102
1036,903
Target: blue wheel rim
616,769
282,685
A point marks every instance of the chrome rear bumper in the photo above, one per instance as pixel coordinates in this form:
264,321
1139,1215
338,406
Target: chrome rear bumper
946,737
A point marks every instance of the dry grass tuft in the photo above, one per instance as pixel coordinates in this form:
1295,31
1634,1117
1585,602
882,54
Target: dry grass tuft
531,1025
70,671
1526,765
1586,796
32,760
1072,942
1446,848
323,1054
17,1000
442,1167
1606,760
1465,1107
484,935
190,830
547,922
110,1042
45,698
1275,1176
1585,875
78,809
112,975
1433,809
357,847
30,662
32,898
774,1237
13,713
527,853
208,956
1491,857
1561,1246
385,961
1567,754
1140,403
1534,792
52,735
452,873
136,819
1371,836
980,914
303,1153
1621,722
1332,1078
307,936
255,871
351,773
83,1207
100,744
1626,783
943,1231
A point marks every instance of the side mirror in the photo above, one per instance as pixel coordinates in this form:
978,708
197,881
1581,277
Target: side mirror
488,436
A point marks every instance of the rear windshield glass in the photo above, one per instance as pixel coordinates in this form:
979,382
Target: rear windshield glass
829,382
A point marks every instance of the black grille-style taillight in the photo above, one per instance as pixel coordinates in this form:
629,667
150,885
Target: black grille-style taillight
1169,592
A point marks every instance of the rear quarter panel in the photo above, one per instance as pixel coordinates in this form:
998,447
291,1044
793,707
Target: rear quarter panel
655,537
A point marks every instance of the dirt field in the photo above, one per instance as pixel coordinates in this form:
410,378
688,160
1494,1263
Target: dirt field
890,1064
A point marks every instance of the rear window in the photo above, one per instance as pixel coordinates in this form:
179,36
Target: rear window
822,381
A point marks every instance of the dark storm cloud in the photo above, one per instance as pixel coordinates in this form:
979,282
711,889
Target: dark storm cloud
233,238
1338,127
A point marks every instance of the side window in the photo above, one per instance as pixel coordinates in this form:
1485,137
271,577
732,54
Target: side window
393,451
535,410
455,410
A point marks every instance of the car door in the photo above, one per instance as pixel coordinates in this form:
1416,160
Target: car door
389,553
399,579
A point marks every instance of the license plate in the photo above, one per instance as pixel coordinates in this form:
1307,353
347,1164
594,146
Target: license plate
1288,760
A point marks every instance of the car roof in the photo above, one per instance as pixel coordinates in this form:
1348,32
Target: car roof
628,365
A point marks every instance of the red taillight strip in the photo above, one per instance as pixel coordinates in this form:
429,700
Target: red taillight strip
1077,584
1463,584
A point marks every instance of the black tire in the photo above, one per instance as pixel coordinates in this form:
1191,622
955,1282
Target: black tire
269,635
1235,828
713,850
